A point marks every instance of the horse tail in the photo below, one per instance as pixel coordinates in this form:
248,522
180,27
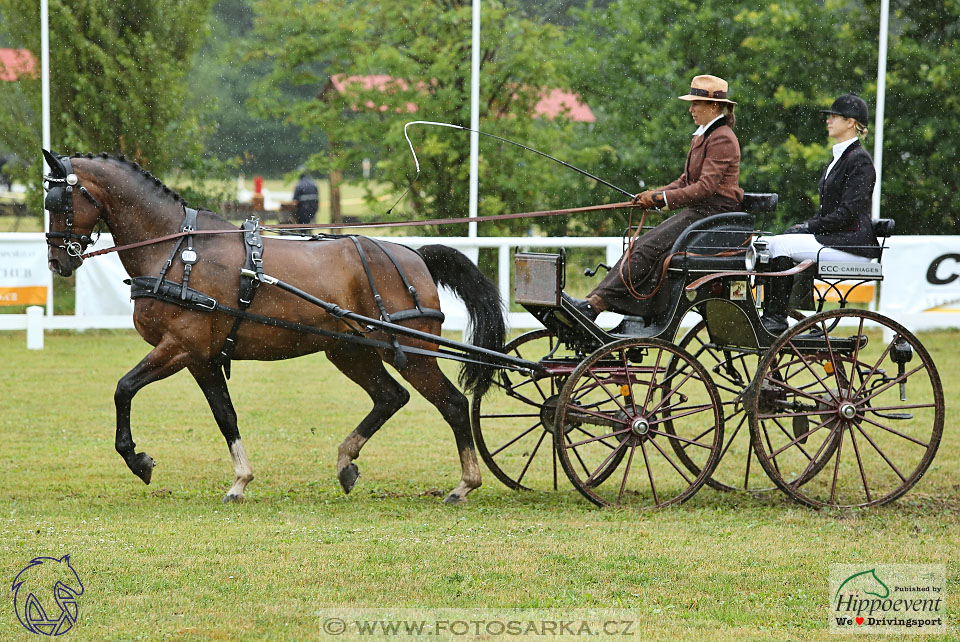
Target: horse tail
485,327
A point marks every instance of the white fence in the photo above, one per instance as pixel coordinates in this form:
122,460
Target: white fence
921,287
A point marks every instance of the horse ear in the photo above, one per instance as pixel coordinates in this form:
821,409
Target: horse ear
65,558
56,167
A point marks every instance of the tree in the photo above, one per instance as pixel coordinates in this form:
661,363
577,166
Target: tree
421,51
220,81
921,183
117,81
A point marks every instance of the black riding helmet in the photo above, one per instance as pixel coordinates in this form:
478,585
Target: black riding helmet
849,106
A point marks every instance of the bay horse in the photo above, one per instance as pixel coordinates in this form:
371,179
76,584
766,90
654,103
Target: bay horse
138,209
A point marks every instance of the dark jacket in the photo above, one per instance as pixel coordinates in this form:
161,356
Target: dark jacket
307,198
712,167
843,221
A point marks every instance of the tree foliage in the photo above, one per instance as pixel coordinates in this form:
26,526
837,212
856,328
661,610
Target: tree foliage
422,50
116,80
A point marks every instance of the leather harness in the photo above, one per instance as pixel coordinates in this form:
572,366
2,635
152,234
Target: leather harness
181,294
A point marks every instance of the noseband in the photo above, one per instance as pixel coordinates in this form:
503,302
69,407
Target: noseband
60,199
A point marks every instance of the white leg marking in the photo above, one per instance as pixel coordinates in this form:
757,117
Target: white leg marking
241,469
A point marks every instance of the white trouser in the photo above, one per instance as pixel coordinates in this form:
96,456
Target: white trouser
801,247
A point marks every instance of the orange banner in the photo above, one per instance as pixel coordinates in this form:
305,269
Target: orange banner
27,295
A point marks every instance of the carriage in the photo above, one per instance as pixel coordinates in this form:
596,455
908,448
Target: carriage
844,408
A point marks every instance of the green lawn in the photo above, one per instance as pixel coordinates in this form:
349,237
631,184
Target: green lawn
170,562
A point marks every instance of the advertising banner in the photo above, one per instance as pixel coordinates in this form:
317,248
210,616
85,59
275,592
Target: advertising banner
24,277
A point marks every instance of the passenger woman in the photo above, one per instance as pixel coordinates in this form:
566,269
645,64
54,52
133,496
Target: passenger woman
842,229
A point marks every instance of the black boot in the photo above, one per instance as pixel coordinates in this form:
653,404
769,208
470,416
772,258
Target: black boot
776,296
583,306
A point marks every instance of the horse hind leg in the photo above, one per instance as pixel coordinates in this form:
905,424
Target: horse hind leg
161,362
364,367
214,386
425,375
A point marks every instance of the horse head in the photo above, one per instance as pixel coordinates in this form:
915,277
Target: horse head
72,219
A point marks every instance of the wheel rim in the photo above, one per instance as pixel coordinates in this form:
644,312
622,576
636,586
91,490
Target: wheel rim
508,425
826,415
732,370
620,400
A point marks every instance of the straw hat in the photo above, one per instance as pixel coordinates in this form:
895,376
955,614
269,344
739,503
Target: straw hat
708,88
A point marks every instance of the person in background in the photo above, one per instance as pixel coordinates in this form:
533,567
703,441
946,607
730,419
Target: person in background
842,229
307,199
708,185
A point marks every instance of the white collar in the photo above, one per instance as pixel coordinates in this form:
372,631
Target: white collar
703,128
839,148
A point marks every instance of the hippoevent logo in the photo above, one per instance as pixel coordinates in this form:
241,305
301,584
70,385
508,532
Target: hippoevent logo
45,595
891,598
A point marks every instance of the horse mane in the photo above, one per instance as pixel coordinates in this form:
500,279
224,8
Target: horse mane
138,169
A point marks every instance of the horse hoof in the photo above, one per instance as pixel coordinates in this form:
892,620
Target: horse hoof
454,499
228,498
142,467
348,477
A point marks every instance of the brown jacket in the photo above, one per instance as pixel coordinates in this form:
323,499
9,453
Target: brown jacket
713,167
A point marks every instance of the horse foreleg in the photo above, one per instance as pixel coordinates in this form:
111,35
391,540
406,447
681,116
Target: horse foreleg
364,367
214,386
425,375
161,362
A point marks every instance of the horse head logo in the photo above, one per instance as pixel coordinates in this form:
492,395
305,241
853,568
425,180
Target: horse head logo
42,576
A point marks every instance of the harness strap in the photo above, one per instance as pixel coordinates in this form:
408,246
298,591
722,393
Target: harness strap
188,256
403,277
250,279
399,359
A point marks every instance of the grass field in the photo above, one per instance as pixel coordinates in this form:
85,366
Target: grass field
170,562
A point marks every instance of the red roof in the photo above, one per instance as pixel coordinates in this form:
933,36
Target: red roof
553,103
556,102
15,63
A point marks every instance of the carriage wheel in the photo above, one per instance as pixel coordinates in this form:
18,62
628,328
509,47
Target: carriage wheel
623,394
513,425
732,370
850,418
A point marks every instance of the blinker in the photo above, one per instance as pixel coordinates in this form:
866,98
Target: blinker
55,199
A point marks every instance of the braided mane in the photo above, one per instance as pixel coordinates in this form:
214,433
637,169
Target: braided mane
138,169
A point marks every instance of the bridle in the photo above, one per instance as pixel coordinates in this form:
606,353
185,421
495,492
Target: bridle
59,186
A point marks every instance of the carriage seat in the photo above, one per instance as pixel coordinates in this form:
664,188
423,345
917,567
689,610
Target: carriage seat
760,202
711,236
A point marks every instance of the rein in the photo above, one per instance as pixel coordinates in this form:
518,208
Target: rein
442,221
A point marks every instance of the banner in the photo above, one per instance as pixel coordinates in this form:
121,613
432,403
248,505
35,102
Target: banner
100,287
24,277
921,274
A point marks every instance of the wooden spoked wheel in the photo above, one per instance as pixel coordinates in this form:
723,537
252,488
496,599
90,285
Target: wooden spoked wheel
850,416
624,395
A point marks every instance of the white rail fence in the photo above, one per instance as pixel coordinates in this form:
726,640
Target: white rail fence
921,286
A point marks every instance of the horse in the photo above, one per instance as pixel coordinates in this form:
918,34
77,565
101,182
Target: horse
140,211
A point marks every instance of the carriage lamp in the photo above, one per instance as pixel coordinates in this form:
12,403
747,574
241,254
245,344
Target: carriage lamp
901,353
757,254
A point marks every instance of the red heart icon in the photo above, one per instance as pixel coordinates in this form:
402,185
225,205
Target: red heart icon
859,620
